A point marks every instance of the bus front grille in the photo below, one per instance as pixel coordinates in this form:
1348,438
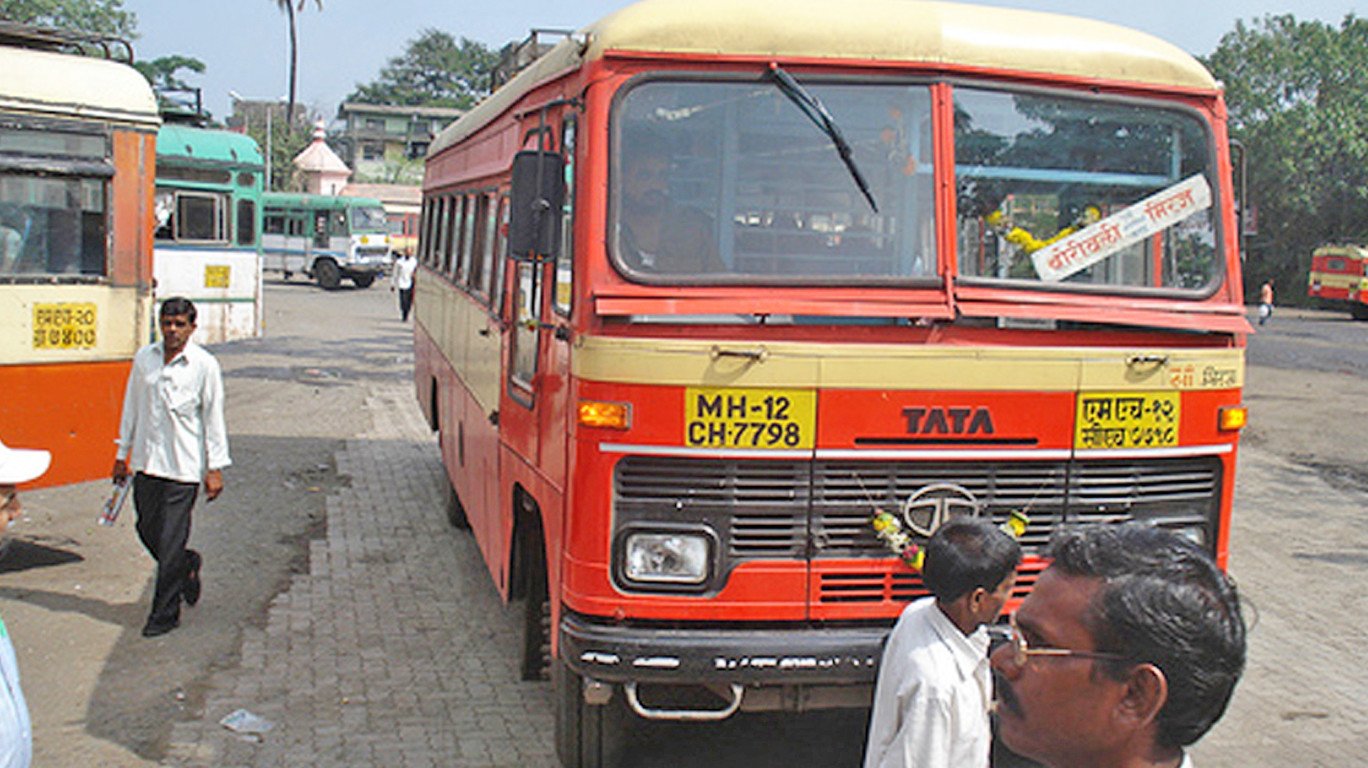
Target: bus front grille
763,509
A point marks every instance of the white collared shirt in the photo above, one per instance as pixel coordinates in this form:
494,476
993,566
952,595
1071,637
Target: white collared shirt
935,688
401,274
172,425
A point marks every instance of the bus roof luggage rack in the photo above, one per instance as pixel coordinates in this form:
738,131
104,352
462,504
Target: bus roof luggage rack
65,41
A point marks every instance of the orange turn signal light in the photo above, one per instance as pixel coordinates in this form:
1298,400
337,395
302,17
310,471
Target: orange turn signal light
1233,419
611,415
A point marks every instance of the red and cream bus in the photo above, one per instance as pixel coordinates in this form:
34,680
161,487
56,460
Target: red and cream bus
710,282
1339,275
77,165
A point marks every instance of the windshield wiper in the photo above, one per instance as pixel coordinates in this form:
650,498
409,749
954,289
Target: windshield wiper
812,107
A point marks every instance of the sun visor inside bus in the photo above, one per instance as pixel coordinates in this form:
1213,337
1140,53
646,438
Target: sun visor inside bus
534,223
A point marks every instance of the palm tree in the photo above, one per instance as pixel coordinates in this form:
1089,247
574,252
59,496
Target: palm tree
288,6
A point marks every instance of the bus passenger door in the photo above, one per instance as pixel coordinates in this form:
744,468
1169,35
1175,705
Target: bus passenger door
518,414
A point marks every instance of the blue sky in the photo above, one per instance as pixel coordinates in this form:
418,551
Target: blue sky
245,44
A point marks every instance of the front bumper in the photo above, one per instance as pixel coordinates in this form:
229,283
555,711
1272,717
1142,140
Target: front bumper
798,655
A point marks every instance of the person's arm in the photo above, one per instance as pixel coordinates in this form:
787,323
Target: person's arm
215,431
127,425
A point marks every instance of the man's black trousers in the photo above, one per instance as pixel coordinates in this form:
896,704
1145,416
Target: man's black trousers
164,527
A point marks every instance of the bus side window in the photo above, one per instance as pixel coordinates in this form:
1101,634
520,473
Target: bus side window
246,222
273,224
321,229
500,260
165,211
525,323
564,285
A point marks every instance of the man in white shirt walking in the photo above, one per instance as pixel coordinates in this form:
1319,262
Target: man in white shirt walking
401,279
173,437
931,706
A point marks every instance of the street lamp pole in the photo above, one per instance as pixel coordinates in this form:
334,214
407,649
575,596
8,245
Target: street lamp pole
269,110
237,97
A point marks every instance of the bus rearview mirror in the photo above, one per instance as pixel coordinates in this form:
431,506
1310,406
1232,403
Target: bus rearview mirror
534,223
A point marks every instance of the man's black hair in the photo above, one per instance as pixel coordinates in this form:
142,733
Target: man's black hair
178,305
965,554
1163,602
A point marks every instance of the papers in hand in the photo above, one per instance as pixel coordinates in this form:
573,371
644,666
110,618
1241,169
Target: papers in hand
115,502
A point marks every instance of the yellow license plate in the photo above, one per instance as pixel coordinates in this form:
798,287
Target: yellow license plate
766,419
68,325
1127,420
217,276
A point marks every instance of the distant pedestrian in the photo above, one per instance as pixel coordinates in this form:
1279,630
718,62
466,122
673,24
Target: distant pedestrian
173,437
1266,301
1125,653
931,706
17,465
401,279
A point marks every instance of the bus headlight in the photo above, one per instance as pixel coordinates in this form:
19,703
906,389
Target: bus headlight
666,558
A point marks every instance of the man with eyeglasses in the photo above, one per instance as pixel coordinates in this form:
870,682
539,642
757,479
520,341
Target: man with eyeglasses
1125,653
934,692
17,465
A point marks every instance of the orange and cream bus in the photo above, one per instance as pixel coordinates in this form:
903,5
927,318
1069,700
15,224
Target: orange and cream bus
77,164
711,282
1339,275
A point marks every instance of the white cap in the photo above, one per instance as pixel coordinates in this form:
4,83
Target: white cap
20,465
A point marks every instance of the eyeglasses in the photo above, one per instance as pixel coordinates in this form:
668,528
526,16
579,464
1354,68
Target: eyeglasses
1022,653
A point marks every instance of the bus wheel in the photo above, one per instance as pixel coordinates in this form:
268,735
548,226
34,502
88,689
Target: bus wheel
536,651
1359,311
588,735
363,281
328,275
455,510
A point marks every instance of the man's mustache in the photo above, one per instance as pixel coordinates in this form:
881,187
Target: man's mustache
1006,697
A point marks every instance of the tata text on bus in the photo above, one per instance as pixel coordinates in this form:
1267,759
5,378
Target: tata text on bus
768,268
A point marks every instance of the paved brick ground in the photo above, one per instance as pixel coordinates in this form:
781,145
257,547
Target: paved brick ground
392,650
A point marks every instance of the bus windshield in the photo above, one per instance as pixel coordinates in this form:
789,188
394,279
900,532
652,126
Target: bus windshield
730,181
723,181
368,220
1074,192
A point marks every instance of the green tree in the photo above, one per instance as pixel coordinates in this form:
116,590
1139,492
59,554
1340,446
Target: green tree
1297,94
95,17
288,6
435,71
163,74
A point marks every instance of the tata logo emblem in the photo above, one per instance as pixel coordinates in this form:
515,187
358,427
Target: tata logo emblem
937,504
948,421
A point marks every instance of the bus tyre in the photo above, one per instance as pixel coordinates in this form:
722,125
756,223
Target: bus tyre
363,281
588,735
1359,311
455,510
536,649
327,274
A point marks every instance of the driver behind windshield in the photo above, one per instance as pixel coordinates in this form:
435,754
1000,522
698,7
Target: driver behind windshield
655,233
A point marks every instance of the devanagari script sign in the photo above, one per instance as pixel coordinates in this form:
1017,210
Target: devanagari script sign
1122,229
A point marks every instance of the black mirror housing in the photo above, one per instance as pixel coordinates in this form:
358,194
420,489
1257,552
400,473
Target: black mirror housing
538,195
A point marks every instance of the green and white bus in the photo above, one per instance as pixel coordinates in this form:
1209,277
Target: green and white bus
207,243
325,237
